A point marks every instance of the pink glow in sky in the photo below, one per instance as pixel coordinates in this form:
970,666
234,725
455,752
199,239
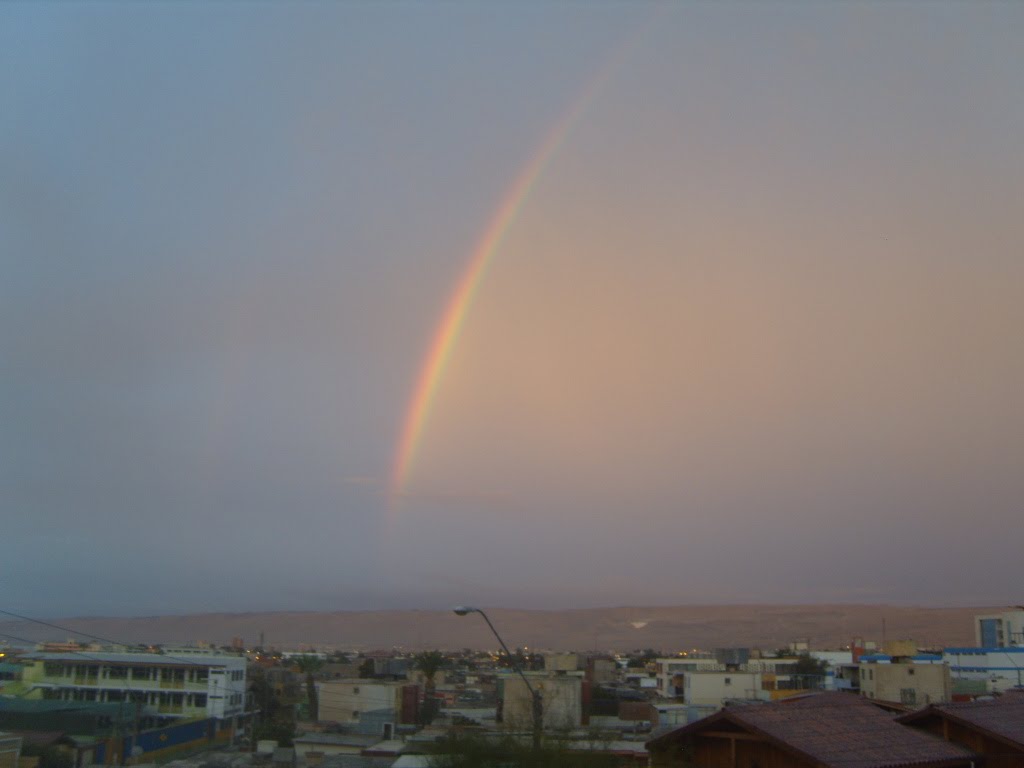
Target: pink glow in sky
752,333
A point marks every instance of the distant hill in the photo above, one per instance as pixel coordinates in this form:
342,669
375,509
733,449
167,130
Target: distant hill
662,628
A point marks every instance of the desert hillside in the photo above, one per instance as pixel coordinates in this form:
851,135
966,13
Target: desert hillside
663,628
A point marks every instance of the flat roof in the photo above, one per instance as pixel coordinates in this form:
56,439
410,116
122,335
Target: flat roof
130,659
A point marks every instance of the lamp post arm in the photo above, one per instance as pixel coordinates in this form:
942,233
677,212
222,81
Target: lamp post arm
511,658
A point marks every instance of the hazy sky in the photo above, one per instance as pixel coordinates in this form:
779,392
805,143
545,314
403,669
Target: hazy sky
754,335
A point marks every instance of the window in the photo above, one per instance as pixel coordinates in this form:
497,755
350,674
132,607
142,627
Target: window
356,689
355,714
910,671
728,681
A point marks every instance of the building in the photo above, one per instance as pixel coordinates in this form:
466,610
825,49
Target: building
602,670
1000,630
916,681
367,706
993,729
333,743
985,670
10,750
561,695
82,718
713,689
165,687
670,672
561,662
825,730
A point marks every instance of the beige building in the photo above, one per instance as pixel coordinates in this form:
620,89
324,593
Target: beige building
908,683
368,706
602,671
713,689
561,662
562,699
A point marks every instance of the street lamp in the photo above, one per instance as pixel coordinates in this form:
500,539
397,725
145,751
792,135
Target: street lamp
537,707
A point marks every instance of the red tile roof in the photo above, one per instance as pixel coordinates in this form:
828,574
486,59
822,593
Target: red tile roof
839,730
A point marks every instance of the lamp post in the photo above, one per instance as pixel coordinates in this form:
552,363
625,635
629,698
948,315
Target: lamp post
537,705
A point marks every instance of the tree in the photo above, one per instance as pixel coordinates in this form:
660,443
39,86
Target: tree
809,671
429,663
310,665
476,752
367,669
264,696
640,661
280,730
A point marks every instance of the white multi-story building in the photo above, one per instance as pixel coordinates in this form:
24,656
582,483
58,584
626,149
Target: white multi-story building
995,670
181,686
670,672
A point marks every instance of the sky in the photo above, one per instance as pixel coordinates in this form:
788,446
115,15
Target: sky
733,296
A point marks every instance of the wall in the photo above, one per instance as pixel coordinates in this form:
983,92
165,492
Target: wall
912,684
562,698
355,701
711,689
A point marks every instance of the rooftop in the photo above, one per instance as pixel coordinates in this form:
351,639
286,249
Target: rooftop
833,729
198,660
1002,717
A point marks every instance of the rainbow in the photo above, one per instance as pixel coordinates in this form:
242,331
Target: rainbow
449,328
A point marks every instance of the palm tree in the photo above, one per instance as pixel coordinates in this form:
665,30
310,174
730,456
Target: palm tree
429,663
310,665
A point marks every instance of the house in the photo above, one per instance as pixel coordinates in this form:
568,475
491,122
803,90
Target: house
913,681
991,728
825,730
561,697
367,706
713,689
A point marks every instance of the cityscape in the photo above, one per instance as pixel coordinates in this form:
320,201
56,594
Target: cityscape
890,702
504,384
